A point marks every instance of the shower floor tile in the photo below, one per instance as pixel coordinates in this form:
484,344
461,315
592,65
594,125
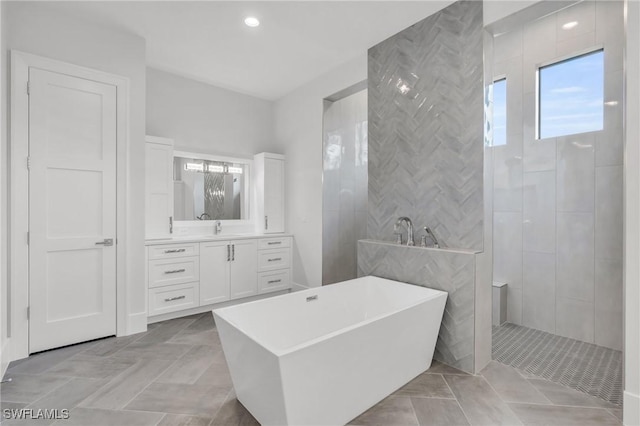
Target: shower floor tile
592,369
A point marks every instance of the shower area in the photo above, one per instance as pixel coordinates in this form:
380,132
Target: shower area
344,183
556,156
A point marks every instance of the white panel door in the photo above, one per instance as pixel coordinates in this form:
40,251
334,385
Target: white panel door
214,272
274,195
72,210
244,268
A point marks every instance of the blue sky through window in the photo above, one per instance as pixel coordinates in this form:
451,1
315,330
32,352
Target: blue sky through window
500,112
571,96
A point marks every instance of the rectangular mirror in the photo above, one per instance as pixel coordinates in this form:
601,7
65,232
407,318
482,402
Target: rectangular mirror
209,188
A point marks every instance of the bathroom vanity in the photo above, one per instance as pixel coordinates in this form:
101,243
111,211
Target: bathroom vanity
188,273
215,230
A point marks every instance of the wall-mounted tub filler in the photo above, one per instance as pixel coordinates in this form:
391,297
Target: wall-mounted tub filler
357,327
398,232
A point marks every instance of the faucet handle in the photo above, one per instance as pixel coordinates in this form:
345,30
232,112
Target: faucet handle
398,237
431,235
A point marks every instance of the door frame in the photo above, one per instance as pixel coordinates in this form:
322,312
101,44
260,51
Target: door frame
18,256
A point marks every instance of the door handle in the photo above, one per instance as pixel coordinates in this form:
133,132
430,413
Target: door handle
266,222
228,252
107,242
233,252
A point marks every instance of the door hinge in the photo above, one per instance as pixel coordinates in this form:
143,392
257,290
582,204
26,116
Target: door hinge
28,312
28,163
28,238
28,87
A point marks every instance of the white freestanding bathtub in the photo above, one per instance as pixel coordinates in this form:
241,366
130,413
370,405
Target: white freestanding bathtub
323,356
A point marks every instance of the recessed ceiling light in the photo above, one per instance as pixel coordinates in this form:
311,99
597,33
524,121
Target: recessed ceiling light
570,25
251,21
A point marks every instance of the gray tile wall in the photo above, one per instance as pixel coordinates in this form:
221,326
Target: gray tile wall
425,128
558,201
453,272
344,185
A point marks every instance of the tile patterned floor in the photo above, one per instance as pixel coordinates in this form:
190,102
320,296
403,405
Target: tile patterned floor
589,368
175,374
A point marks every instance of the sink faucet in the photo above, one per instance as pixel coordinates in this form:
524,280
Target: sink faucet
202,216
410,241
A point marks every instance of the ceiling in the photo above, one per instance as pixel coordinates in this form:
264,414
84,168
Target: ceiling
296,42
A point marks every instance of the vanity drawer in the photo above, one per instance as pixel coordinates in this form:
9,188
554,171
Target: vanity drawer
269,260
173,250
173,271
173,298
273,243
273,281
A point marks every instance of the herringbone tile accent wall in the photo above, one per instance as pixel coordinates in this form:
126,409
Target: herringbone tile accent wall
440,269
426,128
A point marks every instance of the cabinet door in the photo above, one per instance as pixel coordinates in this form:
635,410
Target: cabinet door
244,268
159,190
273,195
215,258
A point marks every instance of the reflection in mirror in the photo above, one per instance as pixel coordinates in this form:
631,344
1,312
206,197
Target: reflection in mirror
208,190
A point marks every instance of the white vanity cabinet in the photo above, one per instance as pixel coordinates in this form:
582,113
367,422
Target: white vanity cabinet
158,187
215,286
269,187
173,274
200,274
274,264
243,268
228,270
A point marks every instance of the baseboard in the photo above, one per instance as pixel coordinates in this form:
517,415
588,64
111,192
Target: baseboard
137,323
631,409
298,287
5,355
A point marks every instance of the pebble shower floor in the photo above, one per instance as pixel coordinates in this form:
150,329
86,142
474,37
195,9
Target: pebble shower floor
589,368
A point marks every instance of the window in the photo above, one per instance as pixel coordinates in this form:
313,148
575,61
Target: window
570,96
500,112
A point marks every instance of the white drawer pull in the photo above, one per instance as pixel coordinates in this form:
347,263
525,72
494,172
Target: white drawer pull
273,281
175,271
274,242
175,250
171,299
274,260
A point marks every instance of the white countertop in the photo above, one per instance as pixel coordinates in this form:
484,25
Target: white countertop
205,238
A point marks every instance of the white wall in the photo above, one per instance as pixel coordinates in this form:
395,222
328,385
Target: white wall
298,121
34,28
4,311
204,118
632,219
